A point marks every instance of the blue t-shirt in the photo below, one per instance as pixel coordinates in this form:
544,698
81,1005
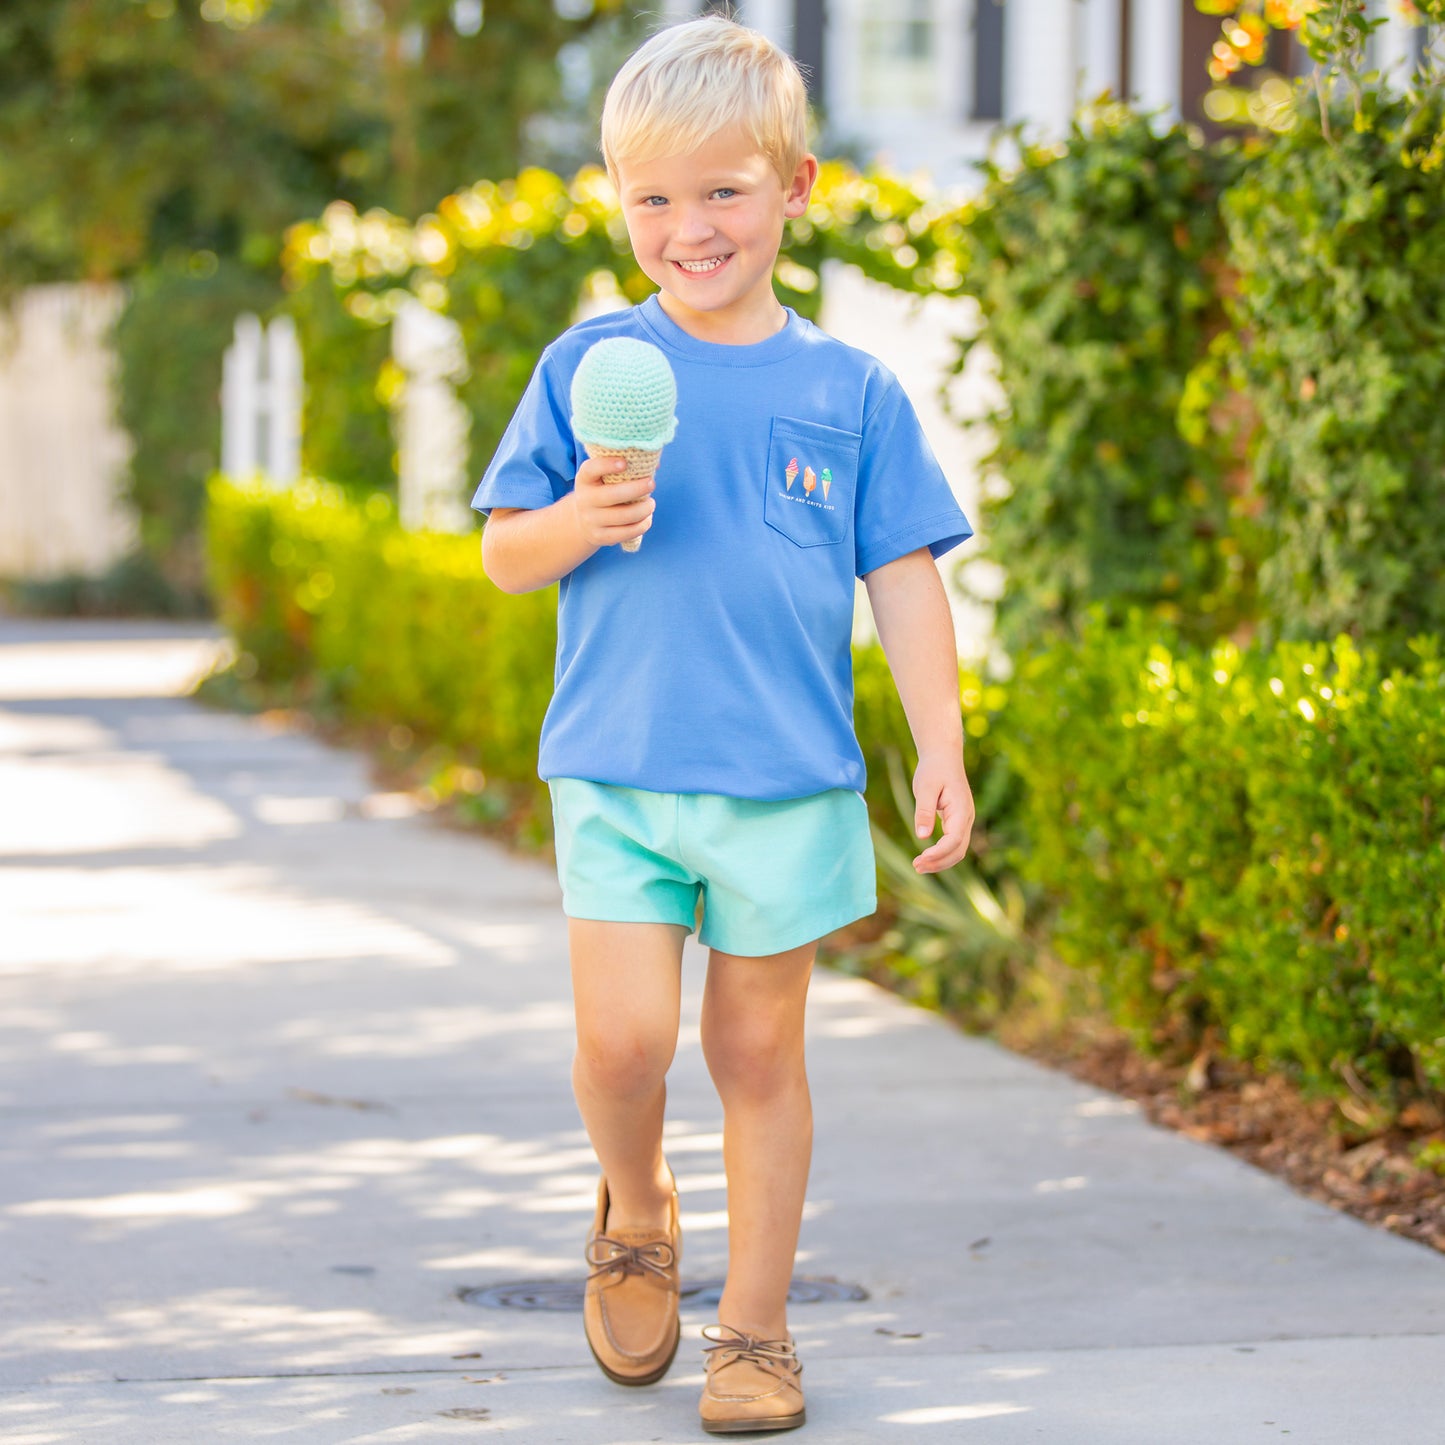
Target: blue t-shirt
717,659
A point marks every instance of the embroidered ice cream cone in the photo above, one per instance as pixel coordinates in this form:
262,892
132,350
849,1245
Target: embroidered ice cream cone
827,480
623,396
790,473
640,463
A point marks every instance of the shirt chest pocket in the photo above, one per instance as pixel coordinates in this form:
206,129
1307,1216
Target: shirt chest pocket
811,482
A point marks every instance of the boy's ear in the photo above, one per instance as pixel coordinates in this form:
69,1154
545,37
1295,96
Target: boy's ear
795,200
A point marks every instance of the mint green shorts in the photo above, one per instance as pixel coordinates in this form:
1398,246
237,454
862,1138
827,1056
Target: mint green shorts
770,875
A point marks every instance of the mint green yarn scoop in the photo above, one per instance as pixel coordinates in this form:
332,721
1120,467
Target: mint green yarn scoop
624,396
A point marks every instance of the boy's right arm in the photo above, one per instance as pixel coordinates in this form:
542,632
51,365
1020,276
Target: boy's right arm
524,549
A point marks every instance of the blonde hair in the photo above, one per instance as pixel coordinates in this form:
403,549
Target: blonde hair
692,80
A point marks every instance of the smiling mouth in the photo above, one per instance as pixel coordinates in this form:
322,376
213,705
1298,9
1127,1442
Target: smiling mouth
701,268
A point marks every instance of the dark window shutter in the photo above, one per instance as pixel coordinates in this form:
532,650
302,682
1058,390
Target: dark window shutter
1126,49
988,59
809,22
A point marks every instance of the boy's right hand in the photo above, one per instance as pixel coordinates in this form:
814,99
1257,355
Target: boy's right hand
609,513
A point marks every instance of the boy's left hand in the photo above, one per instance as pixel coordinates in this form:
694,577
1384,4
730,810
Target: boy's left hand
941,790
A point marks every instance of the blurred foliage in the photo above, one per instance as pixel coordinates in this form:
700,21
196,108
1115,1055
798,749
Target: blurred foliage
1335,35
505,261
129,130
332,597
351,388
169,342
1338,315
1098,266
133,586
1244,847
509,261
950,942
170,143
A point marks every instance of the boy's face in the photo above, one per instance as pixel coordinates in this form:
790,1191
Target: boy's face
706,227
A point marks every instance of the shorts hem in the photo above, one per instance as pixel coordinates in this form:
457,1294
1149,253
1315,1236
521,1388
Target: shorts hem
791,938
584,914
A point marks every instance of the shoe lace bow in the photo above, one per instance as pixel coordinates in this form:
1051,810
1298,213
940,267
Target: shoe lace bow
607,1255
730,1344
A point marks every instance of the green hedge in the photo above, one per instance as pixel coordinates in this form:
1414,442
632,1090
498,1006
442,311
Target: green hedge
1095,264
386,625
1247,846
1339,321
169,342
332,596
1243,847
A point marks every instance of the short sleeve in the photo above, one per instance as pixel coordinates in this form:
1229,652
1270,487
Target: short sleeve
904,501
536,461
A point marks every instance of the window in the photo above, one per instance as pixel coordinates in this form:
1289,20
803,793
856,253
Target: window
896,67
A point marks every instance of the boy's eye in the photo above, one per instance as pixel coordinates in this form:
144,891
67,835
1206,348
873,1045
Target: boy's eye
724,192
654,201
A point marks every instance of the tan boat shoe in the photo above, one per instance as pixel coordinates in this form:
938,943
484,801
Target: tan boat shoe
751,1384
629,1312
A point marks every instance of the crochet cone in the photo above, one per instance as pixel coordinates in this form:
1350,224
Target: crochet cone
640,463
623,400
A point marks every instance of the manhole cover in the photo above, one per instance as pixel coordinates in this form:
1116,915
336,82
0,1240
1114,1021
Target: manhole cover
525,1294
566,1294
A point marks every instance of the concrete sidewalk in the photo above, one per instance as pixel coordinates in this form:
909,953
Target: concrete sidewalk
284,1073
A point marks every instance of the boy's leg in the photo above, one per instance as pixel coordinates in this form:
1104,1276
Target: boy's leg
752,1038
626,987
626,980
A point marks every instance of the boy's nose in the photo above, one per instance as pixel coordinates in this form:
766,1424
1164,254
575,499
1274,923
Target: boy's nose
693,226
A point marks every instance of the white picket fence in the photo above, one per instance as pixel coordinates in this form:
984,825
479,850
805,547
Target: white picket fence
431,423
261,401
261,408
62,455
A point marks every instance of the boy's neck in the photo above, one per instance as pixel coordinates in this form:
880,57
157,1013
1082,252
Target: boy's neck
756,324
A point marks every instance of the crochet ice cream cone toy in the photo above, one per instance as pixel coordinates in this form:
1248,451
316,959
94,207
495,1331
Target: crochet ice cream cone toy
623,400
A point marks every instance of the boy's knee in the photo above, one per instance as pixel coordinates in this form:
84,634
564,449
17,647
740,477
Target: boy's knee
623,1065
755,1058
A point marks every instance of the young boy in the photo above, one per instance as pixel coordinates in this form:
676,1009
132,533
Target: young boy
699,745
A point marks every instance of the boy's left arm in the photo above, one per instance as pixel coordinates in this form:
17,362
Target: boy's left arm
915,626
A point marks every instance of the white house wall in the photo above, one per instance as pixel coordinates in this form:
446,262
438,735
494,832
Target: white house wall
1100,44
773,17
1155,39
1393,44
915,340
1040,57
910,133
1057,53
